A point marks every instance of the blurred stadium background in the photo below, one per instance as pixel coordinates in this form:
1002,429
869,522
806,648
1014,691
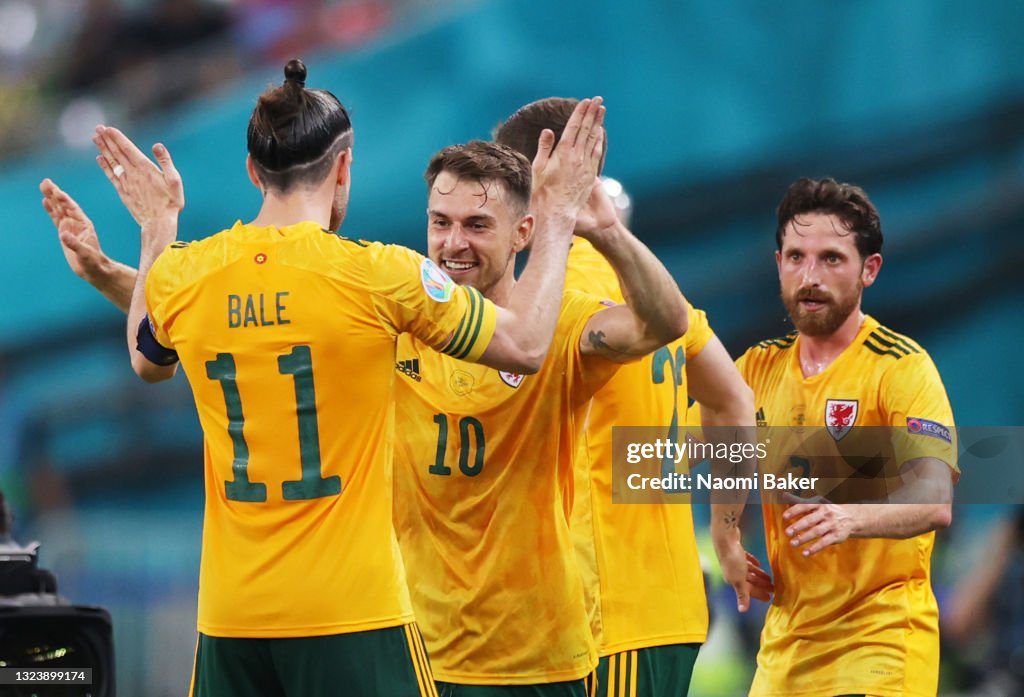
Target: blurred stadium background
713,109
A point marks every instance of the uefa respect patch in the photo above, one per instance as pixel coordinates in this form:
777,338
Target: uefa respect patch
925,427
436,282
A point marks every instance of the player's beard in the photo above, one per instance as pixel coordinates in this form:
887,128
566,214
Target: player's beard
827,320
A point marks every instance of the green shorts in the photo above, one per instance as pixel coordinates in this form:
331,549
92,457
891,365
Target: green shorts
569,688
389,662
657,671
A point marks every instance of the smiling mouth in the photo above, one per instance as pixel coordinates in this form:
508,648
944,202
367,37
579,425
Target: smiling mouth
455,266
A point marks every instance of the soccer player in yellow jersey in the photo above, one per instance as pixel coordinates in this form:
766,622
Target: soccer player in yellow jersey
287,333
642,575
853,612
483,464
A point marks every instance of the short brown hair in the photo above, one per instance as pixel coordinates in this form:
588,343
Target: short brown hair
847,202
486,162
521,130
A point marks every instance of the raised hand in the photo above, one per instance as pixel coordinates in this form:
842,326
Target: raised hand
599,214
151,192
81,247
77,234
564,175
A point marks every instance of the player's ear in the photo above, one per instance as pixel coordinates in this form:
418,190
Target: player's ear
523,233
872,265
344,166
778,261
250,169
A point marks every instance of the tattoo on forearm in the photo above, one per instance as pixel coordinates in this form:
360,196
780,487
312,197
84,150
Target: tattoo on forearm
731,520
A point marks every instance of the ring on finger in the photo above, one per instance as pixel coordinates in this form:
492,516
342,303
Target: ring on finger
118,170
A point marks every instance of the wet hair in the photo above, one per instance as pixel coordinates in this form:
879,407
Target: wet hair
522,130
487,163
295,133
847,202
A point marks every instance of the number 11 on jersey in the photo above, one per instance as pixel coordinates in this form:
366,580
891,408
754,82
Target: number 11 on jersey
312,485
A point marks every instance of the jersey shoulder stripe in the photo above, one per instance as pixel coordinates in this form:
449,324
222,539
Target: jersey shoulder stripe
883,348
359,243
879,339
905,342
781,342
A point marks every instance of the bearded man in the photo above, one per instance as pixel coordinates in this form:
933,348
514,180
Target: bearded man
853,612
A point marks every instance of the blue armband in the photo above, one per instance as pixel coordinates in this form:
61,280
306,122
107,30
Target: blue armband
149,347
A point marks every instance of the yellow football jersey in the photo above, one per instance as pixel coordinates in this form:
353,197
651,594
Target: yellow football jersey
483,487
858,617
639,563
288,340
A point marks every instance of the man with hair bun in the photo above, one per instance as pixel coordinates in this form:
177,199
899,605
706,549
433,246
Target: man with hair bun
287,333
642,575
853,612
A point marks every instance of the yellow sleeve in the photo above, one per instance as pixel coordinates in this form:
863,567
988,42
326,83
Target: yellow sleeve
161,281
698,332
743,365
414,295
590,373
917,408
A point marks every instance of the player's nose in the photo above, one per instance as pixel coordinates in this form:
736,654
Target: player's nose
810,275
456,238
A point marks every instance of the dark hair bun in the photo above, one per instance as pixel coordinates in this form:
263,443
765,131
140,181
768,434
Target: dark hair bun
292,125
295,72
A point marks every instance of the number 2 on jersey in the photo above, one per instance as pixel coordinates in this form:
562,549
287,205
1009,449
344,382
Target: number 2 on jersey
663,357
312,485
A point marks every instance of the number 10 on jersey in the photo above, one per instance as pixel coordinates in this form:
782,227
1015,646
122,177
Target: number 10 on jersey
471,437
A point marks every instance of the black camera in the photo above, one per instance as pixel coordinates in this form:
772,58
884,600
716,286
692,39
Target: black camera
48,647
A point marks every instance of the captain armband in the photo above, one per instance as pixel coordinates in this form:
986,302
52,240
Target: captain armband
149,347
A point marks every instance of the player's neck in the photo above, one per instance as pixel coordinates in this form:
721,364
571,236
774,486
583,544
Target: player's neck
819,352
283,210
501,292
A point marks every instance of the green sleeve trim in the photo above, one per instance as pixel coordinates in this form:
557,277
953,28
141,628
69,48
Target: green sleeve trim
477,322
474,316
460,332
